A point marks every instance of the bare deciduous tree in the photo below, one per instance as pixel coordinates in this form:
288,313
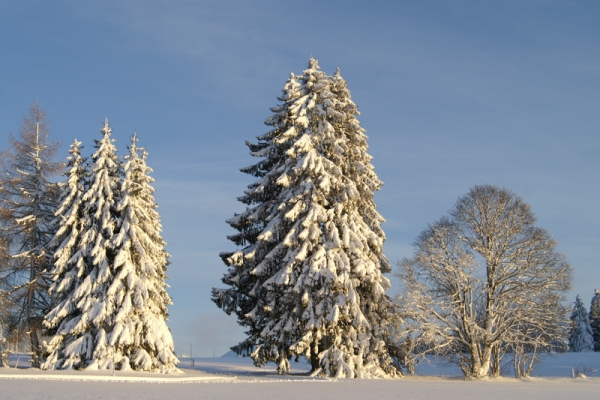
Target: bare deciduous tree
484,281
4,303
28,201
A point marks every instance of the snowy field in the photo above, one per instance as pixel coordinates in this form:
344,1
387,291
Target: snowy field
237,378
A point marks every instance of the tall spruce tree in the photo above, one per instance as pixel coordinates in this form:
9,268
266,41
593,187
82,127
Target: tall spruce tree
580,333
246,288
595,319
322,292
70,268
29,200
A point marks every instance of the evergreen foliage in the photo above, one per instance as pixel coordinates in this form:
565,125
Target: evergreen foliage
309,280
110,269
580,333
595,319
85,316
261,199
140,331
69,265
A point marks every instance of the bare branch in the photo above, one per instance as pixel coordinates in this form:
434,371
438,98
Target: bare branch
484,281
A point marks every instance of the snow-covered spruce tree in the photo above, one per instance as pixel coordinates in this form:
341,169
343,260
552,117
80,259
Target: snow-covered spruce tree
323,292
140,334
28,202
246,289
595,319
580,332
69,266
88,320
117,307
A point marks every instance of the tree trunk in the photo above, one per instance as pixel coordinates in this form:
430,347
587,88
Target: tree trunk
314,360
35,347
283,364
481,355
483,369
496,358
314,357
31,321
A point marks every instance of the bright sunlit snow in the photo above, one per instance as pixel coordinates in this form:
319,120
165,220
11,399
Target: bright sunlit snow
236,378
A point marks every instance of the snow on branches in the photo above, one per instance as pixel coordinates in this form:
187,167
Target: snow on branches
580,333
595,319
109,272
483,282
309,278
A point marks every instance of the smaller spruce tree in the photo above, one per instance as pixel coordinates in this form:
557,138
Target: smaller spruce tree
140,332
110,268
580,334
595,319
69,269
87,321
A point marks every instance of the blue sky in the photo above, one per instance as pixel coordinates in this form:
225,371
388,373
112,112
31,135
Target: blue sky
452,94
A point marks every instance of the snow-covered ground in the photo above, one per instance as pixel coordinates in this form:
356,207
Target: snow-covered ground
237,378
